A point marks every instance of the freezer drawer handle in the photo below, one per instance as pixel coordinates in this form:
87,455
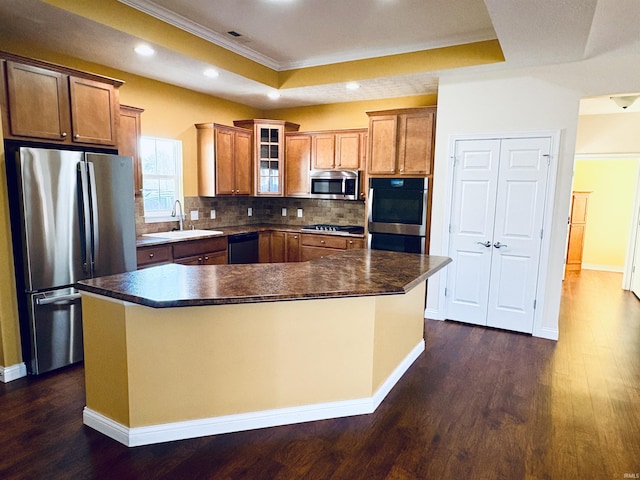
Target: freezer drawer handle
59,299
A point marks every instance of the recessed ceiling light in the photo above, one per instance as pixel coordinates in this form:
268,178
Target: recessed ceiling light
211,73
353,86
144,50
274,95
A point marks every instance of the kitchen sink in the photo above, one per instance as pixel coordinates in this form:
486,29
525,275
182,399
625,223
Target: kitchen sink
183,234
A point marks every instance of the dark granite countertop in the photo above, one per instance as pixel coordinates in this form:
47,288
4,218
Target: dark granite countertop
352,273
143,241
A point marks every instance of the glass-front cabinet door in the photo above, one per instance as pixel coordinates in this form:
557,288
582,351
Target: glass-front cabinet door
270,171
268,153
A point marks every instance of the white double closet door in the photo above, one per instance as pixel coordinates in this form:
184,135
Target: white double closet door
498,204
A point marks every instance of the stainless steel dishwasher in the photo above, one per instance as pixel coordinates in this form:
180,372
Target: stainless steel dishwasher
243,248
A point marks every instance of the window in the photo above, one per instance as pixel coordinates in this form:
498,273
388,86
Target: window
161,177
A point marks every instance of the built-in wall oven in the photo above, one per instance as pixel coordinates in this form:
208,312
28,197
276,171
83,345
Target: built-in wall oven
398,214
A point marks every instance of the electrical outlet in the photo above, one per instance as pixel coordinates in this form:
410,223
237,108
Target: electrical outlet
284,212
299,213
194,214
213,214
249,212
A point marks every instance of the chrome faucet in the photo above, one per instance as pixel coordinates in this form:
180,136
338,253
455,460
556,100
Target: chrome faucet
181,216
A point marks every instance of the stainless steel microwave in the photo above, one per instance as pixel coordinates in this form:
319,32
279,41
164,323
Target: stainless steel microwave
335,184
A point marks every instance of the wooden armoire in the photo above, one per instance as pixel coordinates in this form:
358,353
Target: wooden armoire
577,226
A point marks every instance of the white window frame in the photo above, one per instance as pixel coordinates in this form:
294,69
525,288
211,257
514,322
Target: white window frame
165,215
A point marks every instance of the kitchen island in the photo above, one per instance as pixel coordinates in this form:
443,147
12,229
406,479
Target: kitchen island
174,351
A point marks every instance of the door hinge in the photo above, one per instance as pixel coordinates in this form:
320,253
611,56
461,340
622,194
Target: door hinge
541,233
548,159
445,292
455,159
450,228
534,303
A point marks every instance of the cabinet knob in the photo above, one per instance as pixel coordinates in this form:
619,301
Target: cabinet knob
63,134
206,259
322,241
295,237
151,255
76,136
200,259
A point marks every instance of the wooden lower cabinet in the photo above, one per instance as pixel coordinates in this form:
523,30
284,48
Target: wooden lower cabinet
264,247
206,251
208,258
284,247
317,246
155,255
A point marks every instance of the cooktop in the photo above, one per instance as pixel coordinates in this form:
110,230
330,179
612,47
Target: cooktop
328,227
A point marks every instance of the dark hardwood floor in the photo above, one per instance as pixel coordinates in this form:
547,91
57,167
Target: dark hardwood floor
477,404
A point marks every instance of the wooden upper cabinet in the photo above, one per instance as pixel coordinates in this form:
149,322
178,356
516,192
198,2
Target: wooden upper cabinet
224,160
38,103
297,165
338,149
51,103
129,134
415,143
401,142
349,146
323,150
268,153
94,111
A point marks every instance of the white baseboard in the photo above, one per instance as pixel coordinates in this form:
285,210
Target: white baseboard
548,333
602,268
133,437
8,374
433,314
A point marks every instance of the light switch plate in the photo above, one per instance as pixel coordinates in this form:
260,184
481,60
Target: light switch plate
194,214
299,213
284,212
213,214
249,212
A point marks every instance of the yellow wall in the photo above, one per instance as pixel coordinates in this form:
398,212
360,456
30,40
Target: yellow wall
345,115
612,183
10,353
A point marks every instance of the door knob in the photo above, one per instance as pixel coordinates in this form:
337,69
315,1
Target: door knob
499,245
485,244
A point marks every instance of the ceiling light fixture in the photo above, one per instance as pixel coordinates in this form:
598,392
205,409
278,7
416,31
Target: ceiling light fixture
626,101
144,50
211,73
274,95
353,86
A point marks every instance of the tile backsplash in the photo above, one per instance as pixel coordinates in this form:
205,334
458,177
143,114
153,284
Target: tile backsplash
232,211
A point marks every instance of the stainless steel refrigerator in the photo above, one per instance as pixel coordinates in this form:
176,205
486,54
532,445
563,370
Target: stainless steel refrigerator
72,219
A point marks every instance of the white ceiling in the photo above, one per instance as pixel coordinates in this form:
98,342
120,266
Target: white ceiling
565,39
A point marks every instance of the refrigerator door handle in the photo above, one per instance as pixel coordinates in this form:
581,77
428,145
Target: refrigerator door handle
95,235
59,299
86,218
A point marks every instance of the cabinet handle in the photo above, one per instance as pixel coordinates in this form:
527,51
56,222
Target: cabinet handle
500,245
485,244
151,255
63,134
